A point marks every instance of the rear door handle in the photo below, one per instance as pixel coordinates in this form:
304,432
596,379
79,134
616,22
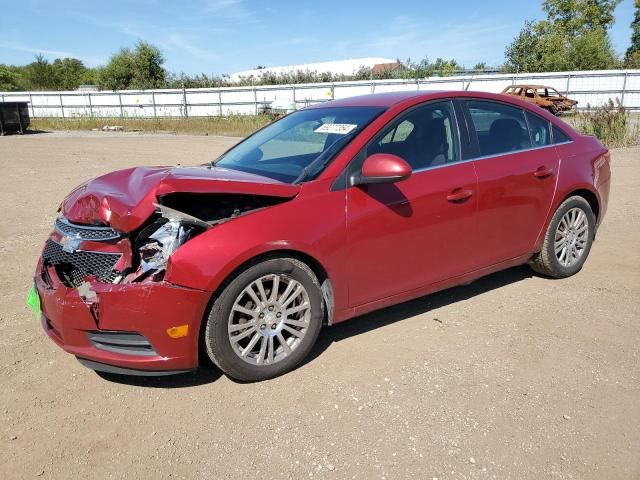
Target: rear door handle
459,194
543,172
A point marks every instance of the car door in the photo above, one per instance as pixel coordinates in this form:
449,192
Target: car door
517,169
408,234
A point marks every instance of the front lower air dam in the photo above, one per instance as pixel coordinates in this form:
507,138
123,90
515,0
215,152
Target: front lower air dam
121,328
101,295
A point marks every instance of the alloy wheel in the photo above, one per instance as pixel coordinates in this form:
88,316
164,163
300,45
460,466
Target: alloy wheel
572,237
269,319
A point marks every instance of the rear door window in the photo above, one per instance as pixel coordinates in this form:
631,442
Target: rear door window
499,128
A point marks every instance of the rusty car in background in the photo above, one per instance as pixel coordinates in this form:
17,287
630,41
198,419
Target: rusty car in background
545,97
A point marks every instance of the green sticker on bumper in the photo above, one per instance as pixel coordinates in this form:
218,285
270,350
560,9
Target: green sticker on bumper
33,301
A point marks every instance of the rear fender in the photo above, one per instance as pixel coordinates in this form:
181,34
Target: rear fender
584,167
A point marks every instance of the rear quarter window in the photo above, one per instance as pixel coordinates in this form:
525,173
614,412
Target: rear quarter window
539,129
559,136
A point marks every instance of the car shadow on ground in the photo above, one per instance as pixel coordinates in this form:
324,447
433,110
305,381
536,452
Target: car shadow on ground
26,132
208,373
387,316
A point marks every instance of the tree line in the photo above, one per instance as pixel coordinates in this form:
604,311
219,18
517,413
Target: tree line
573,36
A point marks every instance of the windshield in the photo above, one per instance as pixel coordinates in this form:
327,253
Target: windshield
300,145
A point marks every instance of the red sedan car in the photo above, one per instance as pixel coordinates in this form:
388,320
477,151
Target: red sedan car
328,213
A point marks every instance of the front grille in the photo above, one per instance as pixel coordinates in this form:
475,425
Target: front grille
127,343
76,266
86,232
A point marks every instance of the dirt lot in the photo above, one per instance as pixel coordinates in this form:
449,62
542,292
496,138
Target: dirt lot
514,376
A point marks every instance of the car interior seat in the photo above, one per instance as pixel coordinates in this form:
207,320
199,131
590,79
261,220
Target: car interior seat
505,135
426,145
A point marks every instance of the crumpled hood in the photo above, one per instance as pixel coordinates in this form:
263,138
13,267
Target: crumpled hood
124,199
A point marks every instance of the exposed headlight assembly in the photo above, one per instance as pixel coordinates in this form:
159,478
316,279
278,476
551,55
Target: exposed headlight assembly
155,253
173,230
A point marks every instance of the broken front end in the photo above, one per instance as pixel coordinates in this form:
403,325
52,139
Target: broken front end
103,293
103,297
102,282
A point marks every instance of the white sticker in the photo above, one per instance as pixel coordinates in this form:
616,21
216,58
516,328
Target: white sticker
339,128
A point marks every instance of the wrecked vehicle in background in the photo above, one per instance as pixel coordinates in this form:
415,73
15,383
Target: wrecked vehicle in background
328,213
544,97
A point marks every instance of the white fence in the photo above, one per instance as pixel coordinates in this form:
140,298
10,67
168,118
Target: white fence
589,88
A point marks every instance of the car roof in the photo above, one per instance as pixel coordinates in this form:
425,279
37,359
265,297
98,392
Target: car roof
524,85
390,99
377,99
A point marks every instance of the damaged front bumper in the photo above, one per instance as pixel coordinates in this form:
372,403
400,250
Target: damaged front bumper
103,280
122,328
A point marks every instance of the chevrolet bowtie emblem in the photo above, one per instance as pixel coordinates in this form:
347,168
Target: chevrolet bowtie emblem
70,244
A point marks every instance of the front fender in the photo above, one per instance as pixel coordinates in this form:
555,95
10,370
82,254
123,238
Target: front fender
313,224
208,260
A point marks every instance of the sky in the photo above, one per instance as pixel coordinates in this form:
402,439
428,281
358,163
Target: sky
225,36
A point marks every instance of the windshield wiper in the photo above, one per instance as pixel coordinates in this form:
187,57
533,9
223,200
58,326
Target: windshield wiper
325,157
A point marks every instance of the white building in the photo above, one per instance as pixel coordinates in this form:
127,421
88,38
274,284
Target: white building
337,67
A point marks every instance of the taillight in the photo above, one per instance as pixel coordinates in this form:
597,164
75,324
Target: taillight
600,162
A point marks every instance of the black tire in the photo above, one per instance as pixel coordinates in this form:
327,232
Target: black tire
546,262
216,337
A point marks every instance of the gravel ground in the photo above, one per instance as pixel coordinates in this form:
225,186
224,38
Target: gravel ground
514,376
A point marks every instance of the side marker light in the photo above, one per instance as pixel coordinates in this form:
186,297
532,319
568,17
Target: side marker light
178,332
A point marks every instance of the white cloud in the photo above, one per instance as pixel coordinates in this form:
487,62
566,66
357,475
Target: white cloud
467,41
175,41
226,8
180,42
89,60
128,28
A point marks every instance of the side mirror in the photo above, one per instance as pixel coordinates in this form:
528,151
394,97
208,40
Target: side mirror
382,168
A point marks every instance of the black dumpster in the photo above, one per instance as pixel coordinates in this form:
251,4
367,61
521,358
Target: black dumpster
14,117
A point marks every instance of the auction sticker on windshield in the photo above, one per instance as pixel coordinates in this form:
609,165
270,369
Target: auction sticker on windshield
339,128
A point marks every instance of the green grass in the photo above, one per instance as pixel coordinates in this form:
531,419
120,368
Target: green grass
235,126
611,124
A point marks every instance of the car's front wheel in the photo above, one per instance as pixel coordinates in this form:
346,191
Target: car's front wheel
265,321
568,239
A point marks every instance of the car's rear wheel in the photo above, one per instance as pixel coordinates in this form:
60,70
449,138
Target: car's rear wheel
568,239
265,321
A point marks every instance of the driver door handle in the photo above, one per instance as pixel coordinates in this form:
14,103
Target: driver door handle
459,195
